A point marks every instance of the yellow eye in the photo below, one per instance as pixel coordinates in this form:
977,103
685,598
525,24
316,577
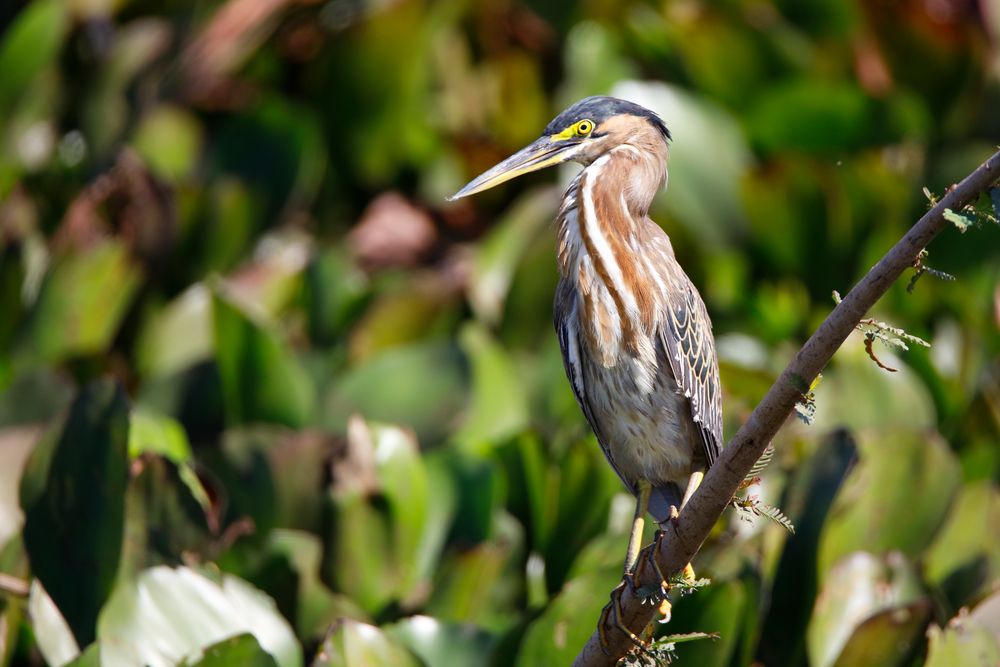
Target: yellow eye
584,127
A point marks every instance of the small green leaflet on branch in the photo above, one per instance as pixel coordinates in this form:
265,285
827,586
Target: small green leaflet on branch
664,650
889,335
922,268
961,220
750,506
805,407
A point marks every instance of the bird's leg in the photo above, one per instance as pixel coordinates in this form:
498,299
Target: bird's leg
614,605
665,607
693,483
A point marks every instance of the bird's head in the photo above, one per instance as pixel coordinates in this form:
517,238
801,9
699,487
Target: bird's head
582,133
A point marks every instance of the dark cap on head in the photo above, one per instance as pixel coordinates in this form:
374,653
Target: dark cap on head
599,109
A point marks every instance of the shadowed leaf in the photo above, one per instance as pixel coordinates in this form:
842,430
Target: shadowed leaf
73,494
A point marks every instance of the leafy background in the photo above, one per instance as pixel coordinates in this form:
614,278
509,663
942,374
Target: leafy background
266,398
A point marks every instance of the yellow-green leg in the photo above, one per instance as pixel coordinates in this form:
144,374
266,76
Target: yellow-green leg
694,481
645,488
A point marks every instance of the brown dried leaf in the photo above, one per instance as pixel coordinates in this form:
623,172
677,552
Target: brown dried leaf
869,348
392,233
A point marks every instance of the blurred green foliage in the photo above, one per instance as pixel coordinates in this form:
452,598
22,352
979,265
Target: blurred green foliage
267,399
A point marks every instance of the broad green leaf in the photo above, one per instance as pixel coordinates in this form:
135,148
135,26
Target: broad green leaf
151,433
354,644
795,583
965,556
857,589
718,608
422,386
30,44
261,379
482,584
73,496
888,637
275,146
498,408
89,658
177,335
403,480
169,140
82,303
105,110
896,498
167,615
709,157
498,255
971,640
858,395
239,650
404,315
443,644
579,489
378,546
316,606
567,622
810,115
335,292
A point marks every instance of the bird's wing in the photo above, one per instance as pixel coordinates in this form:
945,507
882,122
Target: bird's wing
565,319
687,336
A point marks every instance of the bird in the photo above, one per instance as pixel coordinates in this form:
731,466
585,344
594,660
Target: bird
635,334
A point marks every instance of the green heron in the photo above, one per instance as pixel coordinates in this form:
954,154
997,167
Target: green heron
635,335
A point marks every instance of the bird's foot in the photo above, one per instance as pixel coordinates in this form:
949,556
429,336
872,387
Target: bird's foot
614,607
662,592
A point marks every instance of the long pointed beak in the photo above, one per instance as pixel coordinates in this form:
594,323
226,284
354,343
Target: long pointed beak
541,153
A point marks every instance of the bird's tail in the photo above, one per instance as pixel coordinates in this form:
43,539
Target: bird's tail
661,498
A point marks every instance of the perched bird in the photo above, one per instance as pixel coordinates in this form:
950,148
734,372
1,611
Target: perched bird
635,335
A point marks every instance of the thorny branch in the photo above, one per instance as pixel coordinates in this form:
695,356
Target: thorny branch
686,536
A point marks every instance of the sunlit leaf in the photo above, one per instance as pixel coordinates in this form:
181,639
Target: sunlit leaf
856,590
899,475
82,303
172,614
354,644
442,644
965,555
169,140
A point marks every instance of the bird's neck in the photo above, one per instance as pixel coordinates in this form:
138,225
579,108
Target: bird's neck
602,249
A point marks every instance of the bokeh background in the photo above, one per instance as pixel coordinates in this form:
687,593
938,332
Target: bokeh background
266,398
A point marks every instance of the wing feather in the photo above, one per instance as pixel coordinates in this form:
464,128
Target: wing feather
687,336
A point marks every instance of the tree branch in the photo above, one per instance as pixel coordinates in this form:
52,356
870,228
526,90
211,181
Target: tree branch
685,537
